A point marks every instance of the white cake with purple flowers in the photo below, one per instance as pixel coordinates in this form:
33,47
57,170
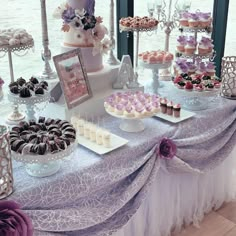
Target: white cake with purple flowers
82,29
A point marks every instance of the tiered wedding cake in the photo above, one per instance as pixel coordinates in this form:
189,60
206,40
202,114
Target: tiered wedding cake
82,29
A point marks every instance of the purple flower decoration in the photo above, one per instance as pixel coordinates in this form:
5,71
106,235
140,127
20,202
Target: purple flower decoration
13,221
167,149
89,22
68,15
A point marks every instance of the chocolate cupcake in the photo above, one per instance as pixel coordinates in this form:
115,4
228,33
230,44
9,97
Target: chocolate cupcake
25,92
21,147
34,80
53,146
61,144
32,122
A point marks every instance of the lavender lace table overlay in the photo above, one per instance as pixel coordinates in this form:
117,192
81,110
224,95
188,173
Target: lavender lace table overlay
93,195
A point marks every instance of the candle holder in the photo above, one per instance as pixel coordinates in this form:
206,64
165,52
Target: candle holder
47,73
228,75
168,20
112,59
6,176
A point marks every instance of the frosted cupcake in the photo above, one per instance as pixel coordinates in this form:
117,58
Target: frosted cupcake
168,57
148,110
210,69
181,43
193,20
184,17
191,68
191,46
139,111
155,107
129,111
203,48
201,68
204,19
87,126
176,110
119,109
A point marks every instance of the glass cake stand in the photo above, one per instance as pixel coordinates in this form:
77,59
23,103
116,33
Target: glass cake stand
156,84
30,102
44,165
130,124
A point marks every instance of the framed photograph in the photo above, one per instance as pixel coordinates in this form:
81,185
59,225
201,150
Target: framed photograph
73,77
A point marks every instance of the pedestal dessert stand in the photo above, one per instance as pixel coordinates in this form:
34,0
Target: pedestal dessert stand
43,165
195,100
132,124
156,84
16,115
31,102
139,30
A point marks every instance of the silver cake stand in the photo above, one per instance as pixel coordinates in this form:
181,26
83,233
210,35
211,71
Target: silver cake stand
44,165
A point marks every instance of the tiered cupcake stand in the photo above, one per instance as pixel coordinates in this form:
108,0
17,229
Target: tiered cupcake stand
9,49
194,100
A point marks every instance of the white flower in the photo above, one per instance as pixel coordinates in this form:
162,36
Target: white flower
59,10
80,13
106,45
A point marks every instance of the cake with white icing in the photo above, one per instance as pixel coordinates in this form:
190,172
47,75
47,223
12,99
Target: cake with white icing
82,29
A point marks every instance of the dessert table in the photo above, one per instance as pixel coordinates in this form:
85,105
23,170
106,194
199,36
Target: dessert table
131,191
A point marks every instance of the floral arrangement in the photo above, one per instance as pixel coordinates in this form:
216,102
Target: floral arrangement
1,82
90,25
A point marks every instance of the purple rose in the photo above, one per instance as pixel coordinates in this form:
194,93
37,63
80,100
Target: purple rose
167,149
13,221
68,15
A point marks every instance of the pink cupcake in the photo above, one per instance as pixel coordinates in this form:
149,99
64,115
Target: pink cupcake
201,68
191,68
168,57
169,108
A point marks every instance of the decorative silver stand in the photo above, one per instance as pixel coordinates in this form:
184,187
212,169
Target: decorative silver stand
135,84
15,116
47,73
112,59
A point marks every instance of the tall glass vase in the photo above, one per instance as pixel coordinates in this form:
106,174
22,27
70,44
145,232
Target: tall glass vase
6,176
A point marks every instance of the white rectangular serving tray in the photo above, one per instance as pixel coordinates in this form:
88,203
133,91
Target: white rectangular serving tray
116,142
184,115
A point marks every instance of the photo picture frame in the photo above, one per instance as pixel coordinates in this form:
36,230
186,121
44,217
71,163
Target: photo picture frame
73,77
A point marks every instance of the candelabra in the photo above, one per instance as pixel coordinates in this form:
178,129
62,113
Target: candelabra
167,20
112,59
47,73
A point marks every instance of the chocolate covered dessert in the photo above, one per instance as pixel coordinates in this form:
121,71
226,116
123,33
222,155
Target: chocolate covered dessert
42,137
27,89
